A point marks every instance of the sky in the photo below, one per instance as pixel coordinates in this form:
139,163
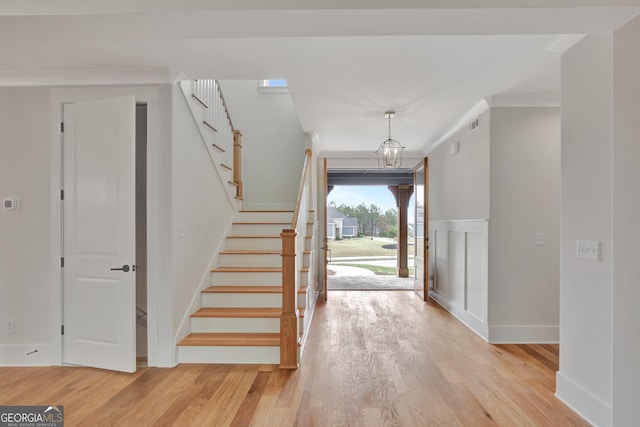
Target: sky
353,195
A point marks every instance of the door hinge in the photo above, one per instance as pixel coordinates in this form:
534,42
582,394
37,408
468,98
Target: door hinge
61,194
62,127
61,329
62,262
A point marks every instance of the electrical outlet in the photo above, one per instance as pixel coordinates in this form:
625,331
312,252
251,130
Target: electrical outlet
9,326
539,239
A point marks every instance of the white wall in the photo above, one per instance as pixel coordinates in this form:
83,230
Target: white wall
30,245
273,144
584,379
459,183
25,249
200,208
525,200
507,171
459,191
626,232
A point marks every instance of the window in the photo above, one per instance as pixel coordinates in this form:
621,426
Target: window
273,86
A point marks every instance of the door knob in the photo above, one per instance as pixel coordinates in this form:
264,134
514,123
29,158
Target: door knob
124,268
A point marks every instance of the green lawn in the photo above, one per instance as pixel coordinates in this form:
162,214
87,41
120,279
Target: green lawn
362,246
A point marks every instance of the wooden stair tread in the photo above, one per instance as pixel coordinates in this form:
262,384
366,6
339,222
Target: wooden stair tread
248,289
247,270
233,312
231,339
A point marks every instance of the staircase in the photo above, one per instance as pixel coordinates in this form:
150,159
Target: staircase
213,121
239,321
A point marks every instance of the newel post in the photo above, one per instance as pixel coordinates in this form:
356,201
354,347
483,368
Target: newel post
237,162
289,317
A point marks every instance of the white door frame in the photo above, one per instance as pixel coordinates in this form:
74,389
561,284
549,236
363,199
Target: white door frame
59,96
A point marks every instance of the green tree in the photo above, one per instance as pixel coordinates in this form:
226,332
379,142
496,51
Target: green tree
371,220
389,223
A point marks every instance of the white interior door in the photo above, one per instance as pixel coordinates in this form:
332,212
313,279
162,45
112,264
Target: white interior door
420,224
99,234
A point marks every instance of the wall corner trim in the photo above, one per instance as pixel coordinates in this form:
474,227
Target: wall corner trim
585,404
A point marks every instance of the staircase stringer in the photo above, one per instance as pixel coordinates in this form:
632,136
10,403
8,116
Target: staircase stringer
196,301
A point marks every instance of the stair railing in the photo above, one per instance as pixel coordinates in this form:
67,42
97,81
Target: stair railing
227,139
293,243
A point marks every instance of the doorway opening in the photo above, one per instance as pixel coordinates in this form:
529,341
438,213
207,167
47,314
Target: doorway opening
141,235
363,237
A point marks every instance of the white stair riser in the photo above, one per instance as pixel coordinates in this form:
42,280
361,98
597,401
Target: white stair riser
222,324
255,229
306,260
229,354
248,300
258,216
304,298
246,279
271,244
304,278
250,260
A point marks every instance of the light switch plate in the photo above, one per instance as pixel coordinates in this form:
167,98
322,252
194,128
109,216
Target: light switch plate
588,249
12,204
539,239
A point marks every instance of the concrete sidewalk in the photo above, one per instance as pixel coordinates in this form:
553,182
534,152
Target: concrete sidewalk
354,278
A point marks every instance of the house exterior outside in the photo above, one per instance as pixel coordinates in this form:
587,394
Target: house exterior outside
340,226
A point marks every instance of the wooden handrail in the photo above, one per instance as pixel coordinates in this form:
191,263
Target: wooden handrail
305,169
225,137
237,162
291,270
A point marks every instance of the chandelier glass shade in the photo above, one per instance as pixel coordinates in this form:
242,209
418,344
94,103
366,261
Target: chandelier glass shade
390,151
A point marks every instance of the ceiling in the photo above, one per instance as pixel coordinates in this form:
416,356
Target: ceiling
346,61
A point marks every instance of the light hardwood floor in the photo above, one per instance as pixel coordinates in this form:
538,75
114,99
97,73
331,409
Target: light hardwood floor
382,358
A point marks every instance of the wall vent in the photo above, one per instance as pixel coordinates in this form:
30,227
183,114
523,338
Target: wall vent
474,124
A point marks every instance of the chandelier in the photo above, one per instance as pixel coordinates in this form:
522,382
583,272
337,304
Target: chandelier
390,151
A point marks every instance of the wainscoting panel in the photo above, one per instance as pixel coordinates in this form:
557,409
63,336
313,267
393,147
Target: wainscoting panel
457,270
477,268
459,252
440,251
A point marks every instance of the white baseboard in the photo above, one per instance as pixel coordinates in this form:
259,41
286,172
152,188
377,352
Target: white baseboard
472,322
532,334
166,357
585,404
308,315
37,354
